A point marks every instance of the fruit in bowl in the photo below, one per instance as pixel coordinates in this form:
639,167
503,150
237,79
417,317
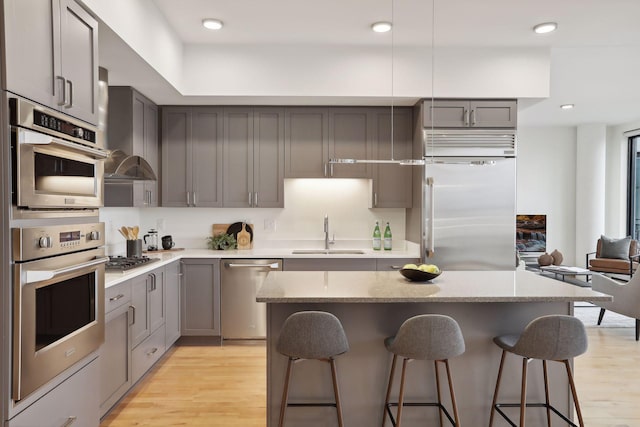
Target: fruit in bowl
420,273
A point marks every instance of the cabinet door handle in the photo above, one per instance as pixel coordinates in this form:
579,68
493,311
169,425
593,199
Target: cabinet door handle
473,117
256,199
195,203
188,199
431,239
250,200
70,420
395,267
325,169
153,351
466,117
70,104
375,200
331,169
133,314
117,297
64,91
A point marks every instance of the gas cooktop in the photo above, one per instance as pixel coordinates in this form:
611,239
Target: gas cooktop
121,263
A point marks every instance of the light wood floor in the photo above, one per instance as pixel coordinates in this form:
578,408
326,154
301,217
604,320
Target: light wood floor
225,386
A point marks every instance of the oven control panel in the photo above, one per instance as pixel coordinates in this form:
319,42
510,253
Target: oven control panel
38,242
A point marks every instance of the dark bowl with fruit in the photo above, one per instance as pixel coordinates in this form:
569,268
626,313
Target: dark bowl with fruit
419,273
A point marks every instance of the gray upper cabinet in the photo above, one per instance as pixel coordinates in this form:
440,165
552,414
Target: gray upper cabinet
51,49
392,183
133,128
313,136
350,137
306,142
460,113
253,153
192,140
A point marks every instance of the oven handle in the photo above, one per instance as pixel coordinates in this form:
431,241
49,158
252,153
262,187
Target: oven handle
33,276
36,138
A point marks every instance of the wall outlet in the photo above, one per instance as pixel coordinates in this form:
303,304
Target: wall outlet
269,225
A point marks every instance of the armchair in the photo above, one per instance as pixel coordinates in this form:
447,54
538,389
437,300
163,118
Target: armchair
614,265
626,297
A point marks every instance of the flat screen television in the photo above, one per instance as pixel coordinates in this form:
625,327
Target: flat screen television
531,233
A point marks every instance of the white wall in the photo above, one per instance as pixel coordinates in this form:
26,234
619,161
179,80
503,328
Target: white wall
546,184
306,202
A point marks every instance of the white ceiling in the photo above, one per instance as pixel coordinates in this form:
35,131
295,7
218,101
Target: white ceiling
595,53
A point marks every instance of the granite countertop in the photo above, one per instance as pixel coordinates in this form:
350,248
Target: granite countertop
391,287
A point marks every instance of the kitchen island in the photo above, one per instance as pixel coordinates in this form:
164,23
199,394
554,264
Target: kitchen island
373,305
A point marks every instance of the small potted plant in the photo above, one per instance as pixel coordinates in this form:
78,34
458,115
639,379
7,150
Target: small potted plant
221,242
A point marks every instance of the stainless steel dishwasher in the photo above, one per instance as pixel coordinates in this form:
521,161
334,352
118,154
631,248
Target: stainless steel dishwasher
242,316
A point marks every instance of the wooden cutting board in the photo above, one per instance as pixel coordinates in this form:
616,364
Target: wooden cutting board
245,241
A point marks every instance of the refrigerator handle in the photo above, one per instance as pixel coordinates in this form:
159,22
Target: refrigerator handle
430,250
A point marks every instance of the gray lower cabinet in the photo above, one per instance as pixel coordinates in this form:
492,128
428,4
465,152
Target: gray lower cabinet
148,323
133,128
192,156
474,113
392,183
200,302
51,52
253,153
115,353
70,403
329,264
172,281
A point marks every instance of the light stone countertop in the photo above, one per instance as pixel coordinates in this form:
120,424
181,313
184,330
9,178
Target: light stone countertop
408,250
392,287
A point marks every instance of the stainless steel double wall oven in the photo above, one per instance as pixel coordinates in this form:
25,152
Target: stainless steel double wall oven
58,264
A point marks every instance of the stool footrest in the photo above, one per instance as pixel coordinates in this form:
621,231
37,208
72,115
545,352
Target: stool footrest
436,404
312,404
530,405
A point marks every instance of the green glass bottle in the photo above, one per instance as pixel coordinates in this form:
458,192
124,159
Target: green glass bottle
387,238
377,238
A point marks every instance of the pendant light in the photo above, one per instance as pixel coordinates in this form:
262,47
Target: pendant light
391,160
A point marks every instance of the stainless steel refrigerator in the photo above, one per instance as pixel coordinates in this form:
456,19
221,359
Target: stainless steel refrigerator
469,196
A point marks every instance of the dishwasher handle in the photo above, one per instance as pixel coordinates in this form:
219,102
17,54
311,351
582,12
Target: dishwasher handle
273,266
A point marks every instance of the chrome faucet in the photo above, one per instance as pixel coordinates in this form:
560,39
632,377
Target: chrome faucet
326,233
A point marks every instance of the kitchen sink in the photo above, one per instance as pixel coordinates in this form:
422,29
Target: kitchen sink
328,252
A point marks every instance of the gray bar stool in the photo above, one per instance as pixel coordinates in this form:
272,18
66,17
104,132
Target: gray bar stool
311,335
555,337
425,337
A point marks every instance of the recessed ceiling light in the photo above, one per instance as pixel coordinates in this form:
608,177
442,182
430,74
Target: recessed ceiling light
381,27
212,24
545,27
567,106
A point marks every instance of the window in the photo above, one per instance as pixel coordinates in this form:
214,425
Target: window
633,188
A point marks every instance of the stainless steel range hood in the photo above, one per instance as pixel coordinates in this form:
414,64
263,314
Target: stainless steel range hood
122,167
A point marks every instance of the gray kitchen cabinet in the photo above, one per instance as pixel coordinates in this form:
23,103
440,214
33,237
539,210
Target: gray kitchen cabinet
200,302
72,402
253,153
147,299
350,137
133,128
147,353
329,264
115,352
192,170
314,135
51,52
475,113
306,142
172,281
384,264
392,183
